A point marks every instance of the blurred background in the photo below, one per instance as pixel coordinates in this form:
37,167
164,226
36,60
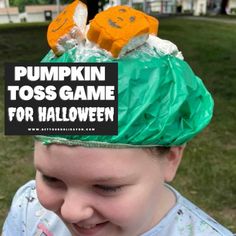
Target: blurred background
205,32
16,11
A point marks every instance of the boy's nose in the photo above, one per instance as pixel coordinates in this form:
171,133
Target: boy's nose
76,208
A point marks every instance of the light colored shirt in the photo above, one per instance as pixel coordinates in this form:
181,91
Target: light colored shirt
27,217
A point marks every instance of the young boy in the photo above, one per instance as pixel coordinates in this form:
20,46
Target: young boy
117,185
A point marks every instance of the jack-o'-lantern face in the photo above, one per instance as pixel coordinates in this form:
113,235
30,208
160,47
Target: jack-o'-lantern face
62,25
59,22
115,27
63,22
121,18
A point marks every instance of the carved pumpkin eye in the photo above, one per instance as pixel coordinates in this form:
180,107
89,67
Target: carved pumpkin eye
132,19
122,10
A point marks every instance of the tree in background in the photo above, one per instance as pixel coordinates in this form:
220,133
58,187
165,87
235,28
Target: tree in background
94,6
223,6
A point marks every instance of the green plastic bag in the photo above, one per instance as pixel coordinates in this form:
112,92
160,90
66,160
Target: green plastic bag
161,102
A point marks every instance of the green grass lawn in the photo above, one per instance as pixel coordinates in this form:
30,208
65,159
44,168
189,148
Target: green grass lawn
207,175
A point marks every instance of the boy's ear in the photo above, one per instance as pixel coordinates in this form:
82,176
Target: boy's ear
172,161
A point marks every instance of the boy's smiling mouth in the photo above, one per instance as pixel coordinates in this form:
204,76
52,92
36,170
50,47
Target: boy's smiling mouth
86,226
89,229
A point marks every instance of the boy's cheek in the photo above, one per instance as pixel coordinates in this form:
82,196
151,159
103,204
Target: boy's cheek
47,197
125,210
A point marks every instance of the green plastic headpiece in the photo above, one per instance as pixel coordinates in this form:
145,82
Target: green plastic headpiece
161,102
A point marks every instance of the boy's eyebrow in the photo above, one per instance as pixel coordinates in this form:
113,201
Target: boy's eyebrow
38,168
102,179
114,178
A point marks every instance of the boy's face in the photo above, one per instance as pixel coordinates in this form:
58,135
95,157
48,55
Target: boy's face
99,192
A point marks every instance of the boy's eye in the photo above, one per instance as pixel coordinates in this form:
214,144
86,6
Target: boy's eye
51,181
49,178
107,188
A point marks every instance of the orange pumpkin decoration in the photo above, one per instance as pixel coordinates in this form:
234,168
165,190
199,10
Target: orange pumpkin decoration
67,28
121,27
